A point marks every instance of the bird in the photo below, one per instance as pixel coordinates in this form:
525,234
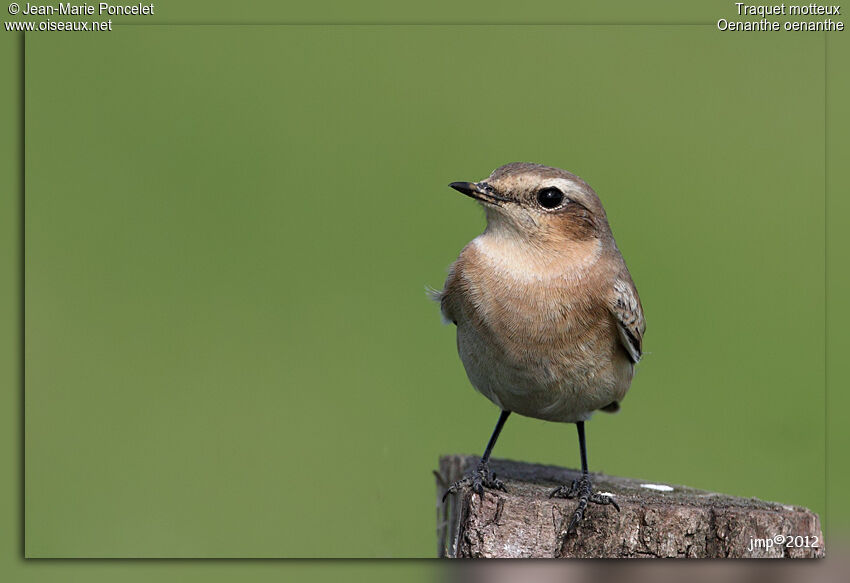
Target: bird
549,321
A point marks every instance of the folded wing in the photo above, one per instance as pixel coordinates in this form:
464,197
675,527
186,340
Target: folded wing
626,308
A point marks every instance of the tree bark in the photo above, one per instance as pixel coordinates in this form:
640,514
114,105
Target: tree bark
654,521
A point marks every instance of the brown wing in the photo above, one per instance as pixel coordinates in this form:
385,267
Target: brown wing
626,308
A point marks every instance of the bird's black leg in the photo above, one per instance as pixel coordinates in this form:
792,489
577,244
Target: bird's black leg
582,487
481,477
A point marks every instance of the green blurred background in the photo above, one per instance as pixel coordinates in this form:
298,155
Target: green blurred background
678,140
229,351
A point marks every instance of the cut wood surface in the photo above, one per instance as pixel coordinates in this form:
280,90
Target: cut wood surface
655,519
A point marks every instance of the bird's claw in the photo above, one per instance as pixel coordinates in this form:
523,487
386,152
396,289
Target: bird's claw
604,500
479,479
565,491
582,489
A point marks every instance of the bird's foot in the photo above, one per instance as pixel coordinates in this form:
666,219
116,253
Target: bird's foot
582,489
480,478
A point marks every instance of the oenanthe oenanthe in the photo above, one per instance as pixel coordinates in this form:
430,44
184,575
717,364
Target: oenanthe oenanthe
549,323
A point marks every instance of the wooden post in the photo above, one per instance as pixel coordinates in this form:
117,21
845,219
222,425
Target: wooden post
656,520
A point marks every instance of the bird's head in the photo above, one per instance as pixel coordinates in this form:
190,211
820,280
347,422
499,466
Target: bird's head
538,203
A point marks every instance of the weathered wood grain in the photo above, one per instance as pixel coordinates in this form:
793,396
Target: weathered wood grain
684,522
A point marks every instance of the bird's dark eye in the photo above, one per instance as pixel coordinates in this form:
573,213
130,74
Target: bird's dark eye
550,198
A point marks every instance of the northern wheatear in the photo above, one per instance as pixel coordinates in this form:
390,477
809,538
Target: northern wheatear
549,323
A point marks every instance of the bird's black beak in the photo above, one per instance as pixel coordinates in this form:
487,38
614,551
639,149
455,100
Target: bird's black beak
479,191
